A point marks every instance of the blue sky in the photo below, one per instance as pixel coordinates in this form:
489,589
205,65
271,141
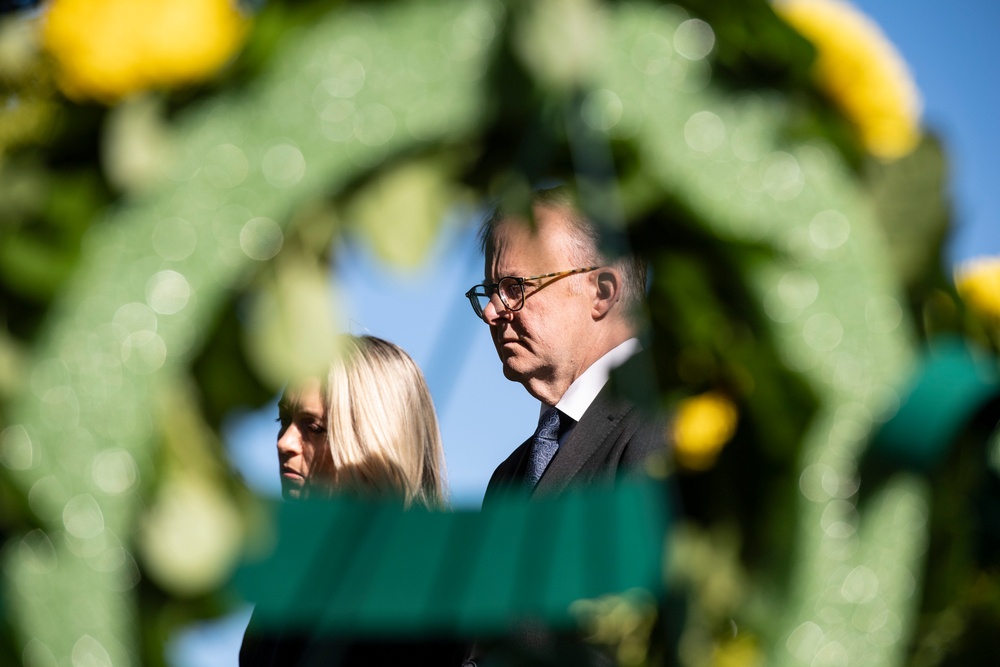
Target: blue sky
948,53
951,54
951,51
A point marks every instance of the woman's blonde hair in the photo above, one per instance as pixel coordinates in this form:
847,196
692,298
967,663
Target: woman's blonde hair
381,425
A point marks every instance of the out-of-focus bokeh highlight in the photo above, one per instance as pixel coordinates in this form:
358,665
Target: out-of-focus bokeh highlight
109,49
978,282
181,182
702,426
862,73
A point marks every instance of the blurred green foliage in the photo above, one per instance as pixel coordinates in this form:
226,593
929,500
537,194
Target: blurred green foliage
150,252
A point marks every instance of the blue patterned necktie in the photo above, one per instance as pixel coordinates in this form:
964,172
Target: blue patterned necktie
544,444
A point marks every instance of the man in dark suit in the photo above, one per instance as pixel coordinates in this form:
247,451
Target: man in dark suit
562,318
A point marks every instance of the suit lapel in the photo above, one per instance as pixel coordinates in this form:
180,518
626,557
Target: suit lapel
509,475
519,462
585,441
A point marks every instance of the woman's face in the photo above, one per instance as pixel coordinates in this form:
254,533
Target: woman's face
303,451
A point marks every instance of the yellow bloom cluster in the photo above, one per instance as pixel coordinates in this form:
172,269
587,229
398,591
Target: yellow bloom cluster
861,71
741,651
702,425
108,49
978,283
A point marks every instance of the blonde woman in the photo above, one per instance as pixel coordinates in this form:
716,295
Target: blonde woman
368,427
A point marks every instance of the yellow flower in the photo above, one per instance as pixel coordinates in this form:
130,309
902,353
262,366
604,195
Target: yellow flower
702,425
978,283
107,49
739,652
861,71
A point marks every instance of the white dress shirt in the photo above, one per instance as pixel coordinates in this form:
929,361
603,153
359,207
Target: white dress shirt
585,388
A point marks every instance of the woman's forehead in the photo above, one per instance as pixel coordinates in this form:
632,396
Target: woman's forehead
304,394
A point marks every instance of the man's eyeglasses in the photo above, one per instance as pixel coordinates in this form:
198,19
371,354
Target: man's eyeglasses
511,290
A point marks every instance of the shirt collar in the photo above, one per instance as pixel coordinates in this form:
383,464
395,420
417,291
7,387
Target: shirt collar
585,388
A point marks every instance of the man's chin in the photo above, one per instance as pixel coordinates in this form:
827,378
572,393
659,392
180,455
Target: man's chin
515,372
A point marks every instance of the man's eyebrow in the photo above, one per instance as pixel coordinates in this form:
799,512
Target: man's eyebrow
509,273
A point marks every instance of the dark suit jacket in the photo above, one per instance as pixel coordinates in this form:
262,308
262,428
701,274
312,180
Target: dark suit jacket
612,437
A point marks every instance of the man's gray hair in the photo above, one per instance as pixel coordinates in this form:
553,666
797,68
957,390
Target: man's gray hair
586,242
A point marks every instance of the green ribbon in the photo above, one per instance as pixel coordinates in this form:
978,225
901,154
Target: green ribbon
952,384
372,567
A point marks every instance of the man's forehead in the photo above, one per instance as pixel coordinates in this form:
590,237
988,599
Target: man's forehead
514,244
510,230
515,235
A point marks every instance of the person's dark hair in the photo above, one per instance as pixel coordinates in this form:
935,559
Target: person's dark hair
587,241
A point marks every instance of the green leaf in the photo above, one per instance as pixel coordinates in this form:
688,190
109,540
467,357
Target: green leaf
401,212
911,203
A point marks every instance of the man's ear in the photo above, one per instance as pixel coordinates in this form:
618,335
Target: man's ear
609,290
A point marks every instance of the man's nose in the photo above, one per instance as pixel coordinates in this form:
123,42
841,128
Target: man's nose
495,311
